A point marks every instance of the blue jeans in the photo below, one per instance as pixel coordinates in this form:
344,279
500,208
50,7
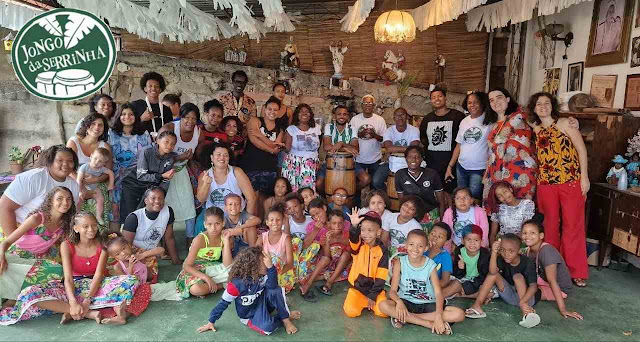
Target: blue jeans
370,169
471,179
380,177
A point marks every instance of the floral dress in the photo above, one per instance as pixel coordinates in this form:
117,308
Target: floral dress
512,157
279,258
125,151
207,262
300,164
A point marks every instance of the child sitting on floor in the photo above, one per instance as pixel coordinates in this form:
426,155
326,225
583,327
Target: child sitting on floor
339,258
307,195
554,280
240,225
206,267
95,168
415,295
339,201
370,265
320,231
510,212
255,294
376,201
515,277
462,213
470,264
438,237
296,221
277,244
281,188
398,225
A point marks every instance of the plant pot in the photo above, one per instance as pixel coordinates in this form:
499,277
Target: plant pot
15,168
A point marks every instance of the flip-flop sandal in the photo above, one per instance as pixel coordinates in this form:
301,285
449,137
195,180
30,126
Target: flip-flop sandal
473,313
310,296
396,323
447,329
579,282
530,320
324,290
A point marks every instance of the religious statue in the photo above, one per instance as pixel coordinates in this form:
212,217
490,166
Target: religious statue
289,57
391,67
440,62
338,57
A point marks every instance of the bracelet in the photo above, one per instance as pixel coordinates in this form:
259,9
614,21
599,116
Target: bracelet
451,166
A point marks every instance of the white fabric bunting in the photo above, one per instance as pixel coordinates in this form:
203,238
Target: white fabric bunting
508,12
14,16
356,15
436,12
275,16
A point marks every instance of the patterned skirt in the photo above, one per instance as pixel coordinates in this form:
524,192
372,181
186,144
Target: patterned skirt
151,263
304,261
300,171
286,280
429,220
218,272
113,292
27,269
90,206
336,252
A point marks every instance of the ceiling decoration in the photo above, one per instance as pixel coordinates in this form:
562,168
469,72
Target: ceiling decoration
14,15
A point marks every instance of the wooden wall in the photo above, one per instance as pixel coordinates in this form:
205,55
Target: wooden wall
464,51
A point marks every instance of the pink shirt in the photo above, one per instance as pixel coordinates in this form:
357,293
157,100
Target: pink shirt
323,231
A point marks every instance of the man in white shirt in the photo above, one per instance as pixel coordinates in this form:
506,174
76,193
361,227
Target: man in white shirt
370,128
396,139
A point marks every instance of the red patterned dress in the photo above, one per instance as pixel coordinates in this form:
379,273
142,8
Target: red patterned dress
512,158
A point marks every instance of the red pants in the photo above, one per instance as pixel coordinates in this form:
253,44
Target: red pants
571,239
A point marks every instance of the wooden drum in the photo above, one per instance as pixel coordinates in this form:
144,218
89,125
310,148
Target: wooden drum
341,173
391,192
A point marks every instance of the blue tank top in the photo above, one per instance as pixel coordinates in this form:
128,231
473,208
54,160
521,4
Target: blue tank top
415,282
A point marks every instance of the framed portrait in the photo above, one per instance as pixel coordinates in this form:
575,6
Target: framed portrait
603,90
637,21
632,92
552,81
635,51
574,76
611,24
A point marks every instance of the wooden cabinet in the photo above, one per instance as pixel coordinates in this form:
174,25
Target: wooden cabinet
614,217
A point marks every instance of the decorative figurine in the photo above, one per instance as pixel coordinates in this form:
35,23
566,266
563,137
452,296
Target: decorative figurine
617,173
338,52
289,57
391,67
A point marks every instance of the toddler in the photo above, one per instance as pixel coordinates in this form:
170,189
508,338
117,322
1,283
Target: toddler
95,168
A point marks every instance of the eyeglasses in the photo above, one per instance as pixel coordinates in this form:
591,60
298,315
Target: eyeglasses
340,195
368,103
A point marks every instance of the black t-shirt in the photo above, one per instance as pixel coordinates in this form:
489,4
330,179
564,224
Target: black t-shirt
526,267
254,158
425,186
438,135
139,106
131,223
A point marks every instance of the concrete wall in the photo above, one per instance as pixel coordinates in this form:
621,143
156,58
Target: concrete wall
26,120
576,19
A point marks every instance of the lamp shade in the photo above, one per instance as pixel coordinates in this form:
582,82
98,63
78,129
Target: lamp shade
395,27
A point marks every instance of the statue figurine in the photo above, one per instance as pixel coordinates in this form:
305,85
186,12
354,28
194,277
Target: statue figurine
289,57
617,171
441,63
338,57
391,67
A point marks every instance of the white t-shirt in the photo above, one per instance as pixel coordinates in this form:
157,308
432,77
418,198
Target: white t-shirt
385,216
398,232
305,143
370,149
397,138
30,188
472,137
463,220
299,230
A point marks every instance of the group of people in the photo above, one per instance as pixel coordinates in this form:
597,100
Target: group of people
490,204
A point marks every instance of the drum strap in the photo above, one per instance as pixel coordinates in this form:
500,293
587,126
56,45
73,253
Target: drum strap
153,119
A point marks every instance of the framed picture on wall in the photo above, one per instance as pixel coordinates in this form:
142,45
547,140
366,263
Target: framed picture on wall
635,51
551,81
637,21
632,92
574,76
603,90
610,32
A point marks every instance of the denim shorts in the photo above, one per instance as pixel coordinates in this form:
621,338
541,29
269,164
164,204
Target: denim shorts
510,295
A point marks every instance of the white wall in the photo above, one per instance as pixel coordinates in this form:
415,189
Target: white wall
576,19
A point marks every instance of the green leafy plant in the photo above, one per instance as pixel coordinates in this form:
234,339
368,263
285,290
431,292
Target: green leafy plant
407,81
15,155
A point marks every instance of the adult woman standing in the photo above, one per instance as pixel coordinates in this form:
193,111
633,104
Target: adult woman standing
93,134
180,193
27,192
101,104
302,140
145,227
512,154
424,183
285,114
126,139
563,183
471,153
154,167
260,158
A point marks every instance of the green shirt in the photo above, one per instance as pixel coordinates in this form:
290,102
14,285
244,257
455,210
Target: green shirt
470,263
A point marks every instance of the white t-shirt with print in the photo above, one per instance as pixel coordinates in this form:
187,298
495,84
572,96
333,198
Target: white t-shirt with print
305,143
30,189
370,149
404,139
474,149
398,232
463,220
299,230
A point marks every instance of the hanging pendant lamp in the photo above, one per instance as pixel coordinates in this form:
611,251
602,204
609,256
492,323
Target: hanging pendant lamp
395,27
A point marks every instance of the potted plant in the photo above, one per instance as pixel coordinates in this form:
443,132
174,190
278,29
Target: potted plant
16,157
